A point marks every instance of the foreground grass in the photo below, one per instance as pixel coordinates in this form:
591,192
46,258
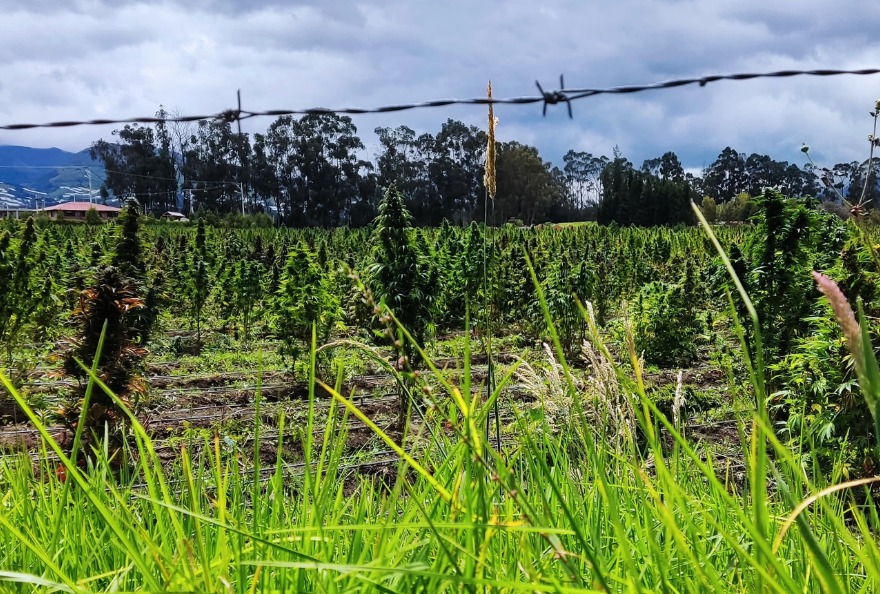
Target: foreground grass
616,500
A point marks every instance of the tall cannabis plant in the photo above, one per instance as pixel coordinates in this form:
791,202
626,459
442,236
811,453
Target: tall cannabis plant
303,299
19,296
401,277
790,239
106,312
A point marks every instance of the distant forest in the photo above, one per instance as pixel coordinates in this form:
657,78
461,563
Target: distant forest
311,172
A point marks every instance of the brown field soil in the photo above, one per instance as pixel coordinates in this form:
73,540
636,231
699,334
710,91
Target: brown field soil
197,410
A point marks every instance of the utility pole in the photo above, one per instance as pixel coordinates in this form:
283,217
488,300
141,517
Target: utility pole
89,175
241,189
37,197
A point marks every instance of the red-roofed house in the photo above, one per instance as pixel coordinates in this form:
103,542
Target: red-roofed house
78,210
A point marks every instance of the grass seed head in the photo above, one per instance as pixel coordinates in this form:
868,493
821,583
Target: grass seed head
489,177
844,315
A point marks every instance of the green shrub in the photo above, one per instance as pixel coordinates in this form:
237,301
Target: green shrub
817,402
303,299
790,239
92,217
664,325
709,208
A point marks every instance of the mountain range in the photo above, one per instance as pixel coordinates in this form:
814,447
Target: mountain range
50,176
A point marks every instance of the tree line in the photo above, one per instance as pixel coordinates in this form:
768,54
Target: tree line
312,172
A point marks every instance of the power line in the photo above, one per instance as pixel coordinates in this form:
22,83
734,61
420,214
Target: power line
162,178
128,174
561,95
158,177
49,166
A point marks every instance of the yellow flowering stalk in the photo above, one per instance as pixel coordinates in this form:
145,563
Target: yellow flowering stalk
489,177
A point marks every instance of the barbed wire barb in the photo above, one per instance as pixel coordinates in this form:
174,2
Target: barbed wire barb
554,97
561,95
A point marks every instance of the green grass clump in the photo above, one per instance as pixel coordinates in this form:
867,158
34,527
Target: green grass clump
563,509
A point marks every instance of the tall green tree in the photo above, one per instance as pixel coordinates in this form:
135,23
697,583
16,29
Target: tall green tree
583,174
863,184
726,176
217,168
400,161
528,188
666,167
264,174
457,170
317,170
632,197
139,165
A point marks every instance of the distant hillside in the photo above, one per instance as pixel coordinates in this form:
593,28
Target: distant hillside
57,173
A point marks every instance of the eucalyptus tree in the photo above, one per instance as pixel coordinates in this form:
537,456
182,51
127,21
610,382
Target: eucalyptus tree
726,176
583,174
139,164
217,168
314,168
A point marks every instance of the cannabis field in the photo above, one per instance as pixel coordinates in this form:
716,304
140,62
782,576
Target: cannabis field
575,408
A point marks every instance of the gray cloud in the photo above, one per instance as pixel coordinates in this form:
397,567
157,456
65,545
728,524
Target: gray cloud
92,59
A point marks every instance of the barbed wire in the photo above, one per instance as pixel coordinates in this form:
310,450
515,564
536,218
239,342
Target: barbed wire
553,97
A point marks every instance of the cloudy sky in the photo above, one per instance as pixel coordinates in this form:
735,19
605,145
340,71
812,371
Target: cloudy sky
76,59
